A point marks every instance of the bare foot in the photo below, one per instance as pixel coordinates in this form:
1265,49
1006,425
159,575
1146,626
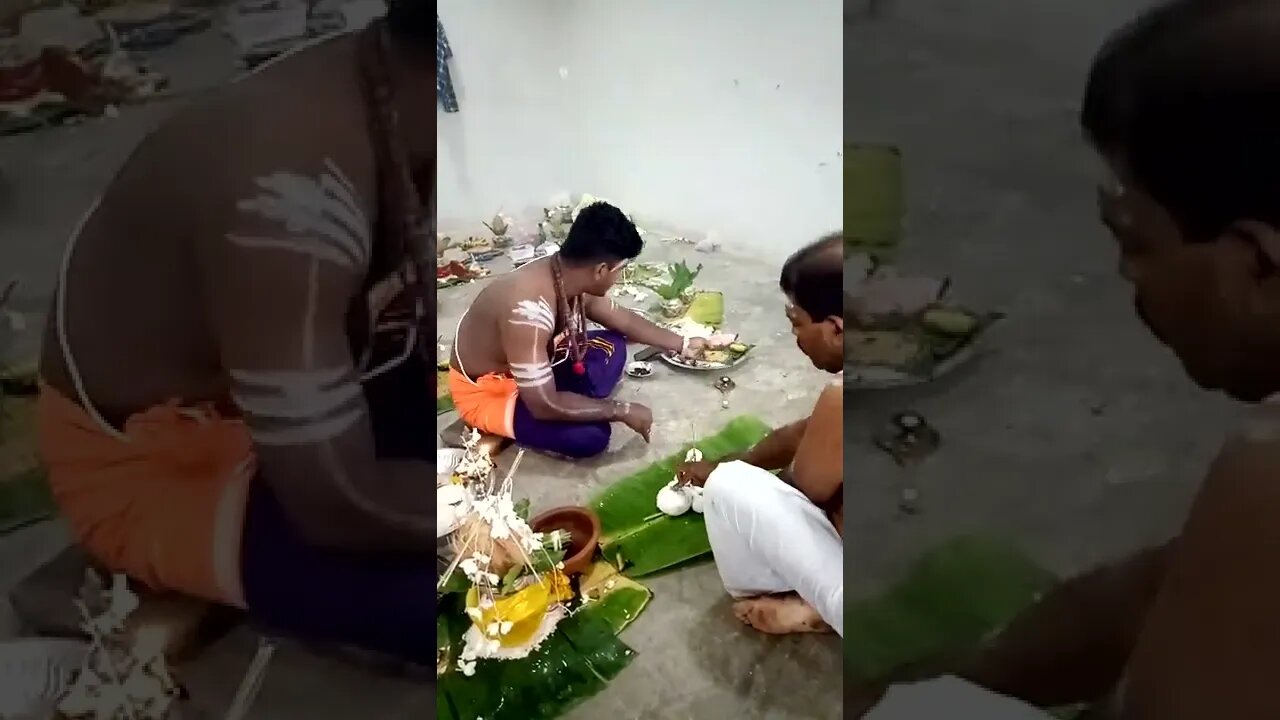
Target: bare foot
780,615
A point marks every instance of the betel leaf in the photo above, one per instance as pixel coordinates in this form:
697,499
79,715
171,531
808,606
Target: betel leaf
648,544
682,279
951,599
509,581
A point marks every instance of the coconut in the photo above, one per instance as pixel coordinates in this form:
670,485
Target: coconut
673,501
474,536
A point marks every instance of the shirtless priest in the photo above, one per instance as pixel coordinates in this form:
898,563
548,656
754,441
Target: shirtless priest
526,367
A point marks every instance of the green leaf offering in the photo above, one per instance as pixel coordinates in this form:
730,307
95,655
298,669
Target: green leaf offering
574,663
642,544
456,584
707,308
952,599
681,279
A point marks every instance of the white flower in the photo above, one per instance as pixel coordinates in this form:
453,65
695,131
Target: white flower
467,667
493,629
82,697
499,529
694,455
148,644
474,613
505,627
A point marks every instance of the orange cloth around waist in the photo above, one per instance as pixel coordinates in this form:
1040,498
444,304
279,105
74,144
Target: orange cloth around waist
487,404
165,504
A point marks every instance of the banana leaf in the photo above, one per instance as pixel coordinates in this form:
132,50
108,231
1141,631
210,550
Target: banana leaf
444,400
574,663
641,542
953,598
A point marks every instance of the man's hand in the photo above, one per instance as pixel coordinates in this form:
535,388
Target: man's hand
694,348
639,418
696,473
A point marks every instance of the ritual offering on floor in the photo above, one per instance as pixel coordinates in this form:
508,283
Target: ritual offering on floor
124,677
676,498
904,331
642,539
529,618
723,351
456,273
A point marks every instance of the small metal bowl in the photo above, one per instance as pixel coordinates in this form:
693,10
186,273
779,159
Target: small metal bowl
640,369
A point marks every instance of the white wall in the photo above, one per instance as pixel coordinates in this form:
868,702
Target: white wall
722,116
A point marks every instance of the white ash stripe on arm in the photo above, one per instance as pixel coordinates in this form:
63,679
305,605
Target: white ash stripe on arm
320,214
532,374
535,314
298,407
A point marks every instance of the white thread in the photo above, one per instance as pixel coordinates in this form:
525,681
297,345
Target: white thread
60,324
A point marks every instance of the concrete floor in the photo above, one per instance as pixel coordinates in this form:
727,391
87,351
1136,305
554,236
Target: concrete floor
695,660
1075,434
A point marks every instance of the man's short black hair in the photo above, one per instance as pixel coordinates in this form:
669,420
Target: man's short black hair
814,278
602,233
412,22
1187,97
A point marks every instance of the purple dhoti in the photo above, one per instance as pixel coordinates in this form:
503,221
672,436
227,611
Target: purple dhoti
605,359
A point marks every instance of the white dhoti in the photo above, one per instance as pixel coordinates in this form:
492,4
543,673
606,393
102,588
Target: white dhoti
768,538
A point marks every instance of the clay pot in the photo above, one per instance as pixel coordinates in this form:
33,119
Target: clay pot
584,529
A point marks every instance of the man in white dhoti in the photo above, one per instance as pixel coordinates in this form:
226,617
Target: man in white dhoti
778,539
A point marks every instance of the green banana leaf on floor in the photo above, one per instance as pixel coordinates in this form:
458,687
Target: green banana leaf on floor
634,537
953,598
574,663
444,400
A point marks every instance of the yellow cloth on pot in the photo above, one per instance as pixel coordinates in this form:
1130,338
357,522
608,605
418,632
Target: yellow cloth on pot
524,609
